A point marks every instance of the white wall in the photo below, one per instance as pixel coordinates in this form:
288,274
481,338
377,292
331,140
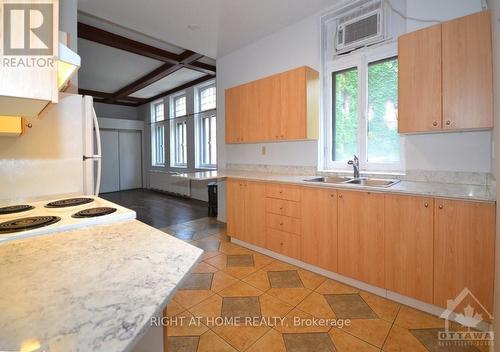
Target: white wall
299,45
116,111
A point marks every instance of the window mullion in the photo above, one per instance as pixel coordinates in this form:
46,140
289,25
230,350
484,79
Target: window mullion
362,103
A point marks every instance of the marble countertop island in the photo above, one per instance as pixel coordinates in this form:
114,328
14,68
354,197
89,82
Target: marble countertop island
92,289
430,189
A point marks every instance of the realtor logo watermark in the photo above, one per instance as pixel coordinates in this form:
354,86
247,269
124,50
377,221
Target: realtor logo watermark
473,318
28,37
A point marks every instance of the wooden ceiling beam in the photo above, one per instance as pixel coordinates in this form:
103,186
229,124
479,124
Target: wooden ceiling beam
103,95
105,101
202,67
101,36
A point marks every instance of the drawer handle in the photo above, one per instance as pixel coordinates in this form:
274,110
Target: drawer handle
281,224
281,208
448,122
440,206
426,205
341,196
281,243
434,123
281,192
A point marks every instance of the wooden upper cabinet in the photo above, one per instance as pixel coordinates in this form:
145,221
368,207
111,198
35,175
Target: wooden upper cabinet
467,72
319,227
419,81
361,236
464,252
445,79
409,246
284,106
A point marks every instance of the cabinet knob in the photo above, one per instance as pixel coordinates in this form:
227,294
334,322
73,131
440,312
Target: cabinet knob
440,206
280,192
448,122
281,224
426,205
281,243
434,123
341,196
281,208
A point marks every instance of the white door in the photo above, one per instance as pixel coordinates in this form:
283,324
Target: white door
130,160
110,178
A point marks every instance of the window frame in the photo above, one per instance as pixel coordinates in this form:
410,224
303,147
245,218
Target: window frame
158,148
360,60
174,138
200,116
201,141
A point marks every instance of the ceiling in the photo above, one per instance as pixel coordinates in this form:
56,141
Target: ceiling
122,66
210,27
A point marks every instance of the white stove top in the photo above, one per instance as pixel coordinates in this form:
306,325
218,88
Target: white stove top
67,222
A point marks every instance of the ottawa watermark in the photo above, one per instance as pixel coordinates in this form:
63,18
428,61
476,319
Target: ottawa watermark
28,34
473,317
248,321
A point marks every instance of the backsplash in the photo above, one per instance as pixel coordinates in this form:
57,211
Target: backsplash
453,177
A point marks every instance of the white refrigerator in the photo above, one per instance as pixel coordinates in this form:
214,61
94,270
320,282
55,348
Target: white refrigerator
59,153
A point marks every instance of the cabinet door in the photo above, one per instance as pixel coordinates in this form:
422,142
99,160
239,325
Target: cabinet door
319,227
464,251
233,106
419,81
409,247
236,209
467,72
293,117
361,236
266,123
255,213
251,119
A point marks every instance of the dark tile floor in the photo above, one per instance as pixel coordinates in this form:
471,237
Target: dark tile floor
158,209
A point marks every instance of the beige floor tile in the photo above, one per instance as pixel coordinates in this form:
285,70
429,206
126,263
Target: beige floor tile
240,289
298,321
385,309
220,262
345,342
278,265
291,296
410,318
258,279
272,341
231,248
373,331
185,325
316,305
335,287
221,280
210,342
401,340
273,307
208,310
241,337
189,298
311,280
203,267
174,308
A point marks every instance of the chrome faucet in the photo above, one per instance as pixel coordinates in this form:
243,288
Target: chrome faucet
355,165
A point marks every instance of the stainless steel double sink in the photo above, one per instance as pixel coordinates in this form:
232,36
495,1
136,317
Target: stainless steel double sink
362,181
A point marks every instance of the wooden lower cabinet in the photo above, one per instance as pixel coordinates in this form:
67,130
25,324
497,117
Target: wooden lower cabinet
464,251
409,246
361,236
319,227
246,211
284,243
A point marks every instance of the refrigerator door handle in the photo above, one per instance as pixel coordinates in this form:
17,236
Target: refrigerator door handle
97,157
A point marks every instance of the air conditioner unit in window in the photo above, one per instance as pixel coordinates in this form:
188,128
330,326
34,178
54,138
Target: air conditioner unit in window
360,27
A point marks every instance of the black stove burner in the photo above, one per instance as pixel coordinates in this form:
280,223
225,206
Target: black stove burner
14,209
93,212
70,202
24,224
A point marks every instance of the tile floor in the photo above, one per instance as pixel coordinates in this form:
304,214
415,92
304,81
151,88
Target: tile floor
231,281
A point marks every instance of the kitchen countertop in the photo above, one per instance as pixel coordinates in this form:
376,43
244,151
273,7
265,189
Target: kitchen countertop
432,189
91,289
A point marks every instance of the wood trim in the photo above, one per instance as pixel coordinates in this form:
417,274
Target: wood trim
202,67
101,36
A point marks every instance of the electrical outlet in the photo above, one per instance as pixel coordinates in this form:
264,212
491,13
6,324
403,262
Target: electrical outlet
263,150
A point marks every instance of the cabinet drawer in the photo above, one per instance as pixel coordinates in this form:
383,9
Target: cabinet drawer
283,242
280,191
283,207
283,223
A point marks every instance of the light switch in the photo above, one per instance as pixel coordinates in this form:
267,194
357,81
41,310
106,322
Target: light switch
264,150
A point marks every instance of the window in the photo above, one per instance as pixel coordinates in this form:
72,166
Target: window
363,111
178,127
207,125
158,134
